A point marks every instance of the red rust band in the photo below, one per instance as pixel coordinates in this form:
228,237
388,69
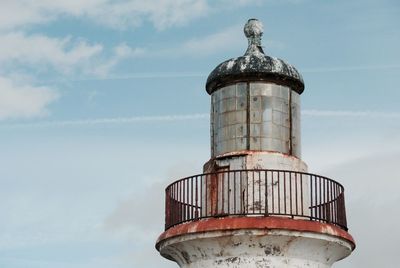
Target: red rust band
264,223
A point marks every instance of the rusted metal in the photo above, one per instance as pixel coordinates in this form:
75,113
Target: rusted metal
255,192
263,223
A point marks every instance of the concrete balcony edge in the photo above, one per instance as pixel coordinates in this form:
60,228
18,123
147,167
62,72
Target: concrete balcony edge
254,223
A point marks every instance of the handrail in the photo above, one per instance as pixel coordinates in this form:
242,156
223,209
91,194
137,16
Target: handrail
255,192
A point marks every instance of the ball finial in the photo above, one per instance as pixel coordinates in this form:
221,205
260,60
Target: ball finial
253,29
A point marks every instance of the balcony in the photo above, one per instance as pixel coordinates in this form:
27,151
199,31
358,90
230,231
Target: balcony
264,193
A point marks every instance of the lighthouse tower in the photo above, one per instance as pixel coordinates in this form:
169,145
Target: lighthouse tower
255,205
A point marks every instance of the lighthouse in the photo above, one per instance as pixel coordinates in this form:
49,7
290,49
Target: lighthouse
255,204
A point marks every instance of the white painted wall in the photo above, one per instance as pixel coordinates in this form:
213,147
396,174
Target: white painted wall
256,249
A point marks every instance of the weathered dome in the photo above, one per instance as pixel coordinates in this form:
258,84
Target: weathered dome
254,65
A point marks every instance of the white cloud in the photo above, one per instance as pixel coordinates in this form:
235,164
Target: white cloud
64,55
19,100
43,53
123,51
20,51
39,50
132,213
18,13
229,38
140,218
120,52
162,13
117,14
61,55
24,53
372,198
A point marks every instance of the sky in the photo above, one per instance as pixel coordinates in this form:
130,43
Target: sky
103,104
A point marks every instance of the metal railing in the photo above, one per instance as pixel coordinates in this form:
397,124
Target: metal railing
256,192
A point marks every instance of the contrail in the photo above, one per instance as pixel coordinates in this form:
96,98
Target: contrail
190,117
349,68
106,121
339,113
156,75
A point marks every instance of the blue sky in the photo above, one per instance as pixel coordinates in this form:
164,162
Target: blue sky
103,103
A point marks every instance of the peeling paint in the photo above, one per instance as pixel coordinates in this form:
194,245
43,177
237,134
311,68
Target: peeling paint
267,224
254,65
255,248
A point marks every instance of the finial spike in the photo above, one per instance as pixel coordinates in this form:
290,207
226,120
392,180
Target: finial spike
253,30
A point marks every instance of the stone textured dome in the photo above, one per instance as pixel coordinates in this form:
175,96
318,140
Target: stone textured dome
254,65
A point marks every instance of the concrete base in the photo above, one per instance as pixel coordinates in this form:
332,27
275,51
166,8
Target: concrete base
256,247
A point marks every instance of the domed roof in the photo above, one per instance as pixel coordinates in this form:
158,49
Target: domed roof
254,65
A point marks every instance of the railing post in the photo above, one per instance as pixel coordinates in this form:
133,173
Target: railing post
167,208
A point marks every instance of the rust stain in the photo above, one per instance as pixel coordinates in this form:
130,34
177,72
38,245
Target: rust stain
260,223
251,152
213,190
